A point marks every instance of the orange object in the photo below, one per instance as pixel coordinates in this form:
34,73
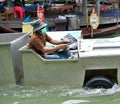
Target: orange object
18,10
40,14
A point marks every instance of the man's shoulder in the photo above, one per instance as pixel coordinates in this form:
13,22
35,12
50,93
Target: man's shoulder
34,36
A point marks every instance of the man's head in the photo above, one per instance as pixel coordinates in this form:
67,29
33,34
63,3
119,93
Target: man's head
38,25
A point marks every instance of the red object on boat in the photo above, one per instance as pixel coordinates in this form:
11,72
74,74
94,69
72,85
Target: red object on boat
40,14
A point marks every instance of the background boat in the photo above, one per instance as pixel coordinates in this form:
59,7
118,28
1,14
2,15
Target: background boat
106,30
109,17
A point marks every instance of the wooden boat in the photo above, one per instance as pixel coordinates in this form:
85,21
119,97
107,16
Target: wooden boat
87,32
5,29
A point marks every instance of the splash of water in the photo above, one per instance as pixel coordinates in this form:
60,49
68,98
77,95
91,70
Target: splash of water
59,91
90,92
75,101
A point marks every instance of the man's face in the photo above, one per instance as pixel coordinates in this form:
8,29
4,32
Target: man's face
43,31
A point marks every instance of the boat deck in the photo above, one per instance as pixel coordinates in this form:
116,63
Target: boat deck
99,47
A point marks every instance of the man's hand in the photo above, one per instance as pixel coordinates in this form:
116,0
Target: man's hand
62,46
66,41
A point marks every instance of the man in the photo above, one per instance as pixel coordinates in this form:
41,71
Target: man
38,41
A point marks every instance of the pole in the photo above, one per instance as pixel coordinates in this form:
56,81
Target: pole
91,31
118,17
118,11
98,7
0,17
84,6
87,17
23,2
9,2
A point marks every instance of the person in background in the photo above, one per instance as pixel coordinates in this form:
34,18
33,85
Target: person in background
38,41
18,9
18,3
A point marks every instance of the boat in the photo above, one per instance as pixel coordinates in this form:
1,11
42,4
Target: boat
86,32
105,30
9,45
5,29
94,64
